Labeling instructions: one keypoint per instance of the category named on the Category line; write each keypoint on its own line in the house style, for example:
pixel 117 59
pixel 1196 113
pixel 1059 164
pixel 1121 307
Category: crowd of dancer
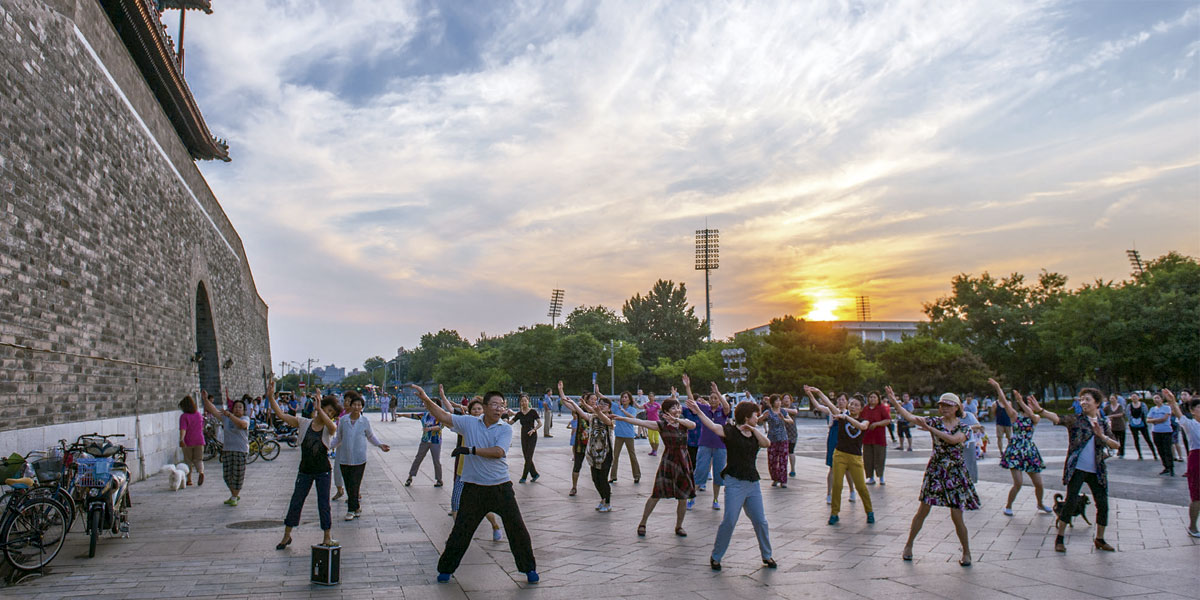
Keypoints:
pixel 706 439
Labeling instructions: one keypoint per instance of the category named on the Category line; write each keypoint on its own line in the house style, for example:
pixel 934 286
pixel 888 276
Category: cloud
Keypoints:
pixel 441 166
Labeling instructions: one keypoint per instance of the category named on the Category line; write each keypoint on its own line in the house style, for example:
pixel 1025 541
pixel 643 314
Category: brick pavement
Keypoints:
pixel 181 545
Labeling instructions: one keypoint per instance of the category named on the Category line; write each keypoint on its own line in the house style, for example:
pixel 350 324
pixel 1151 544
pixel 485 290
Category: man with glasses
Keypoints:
pixel 486 484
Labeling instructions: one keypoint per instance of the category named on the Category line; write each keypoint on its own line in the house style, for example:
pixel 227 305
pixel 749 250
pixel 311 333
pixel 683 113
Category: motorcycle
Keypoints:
pixel 103 479
pixel 287 435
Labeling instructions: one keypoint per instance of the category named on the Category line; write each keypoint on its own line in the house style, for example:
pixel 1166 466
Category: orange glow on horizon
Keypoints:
pixel 823 310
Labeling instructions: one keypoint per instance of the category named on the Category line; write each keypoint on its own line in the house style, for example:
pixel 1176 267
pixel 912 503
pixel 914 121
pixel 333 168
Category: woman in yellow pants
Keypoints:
pixel 847 458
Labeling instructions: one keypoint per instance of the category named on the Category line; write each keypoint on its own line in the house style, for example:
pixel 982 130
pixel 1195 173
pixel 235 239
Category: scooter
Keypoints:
pixel 103 478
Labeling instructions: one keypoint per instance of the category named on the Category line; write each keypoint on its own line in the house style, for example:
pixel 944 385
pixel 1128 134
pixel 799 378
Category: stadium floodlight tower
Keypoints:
pixel 1135 261
pixel 556 304
pixel 707 259
pixel 862 305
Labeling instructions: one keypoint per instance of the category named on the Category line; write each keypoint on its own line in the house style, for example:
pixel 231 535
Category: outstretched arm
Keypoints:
pixel 443 416
pixel 575 408
pixel 637 422
pixel 1170 396
pixel 704 420
pixel 724 403
pixel 817 405
pixel 1003 399
pixel 908 416
pixel 1045 414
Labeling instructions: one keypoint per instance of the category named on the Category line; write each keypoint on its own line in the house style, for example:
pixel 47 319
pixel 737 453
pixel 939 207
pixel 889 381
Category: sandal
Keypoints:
pixel 680 532
pixel 284 544
pixel 641 531
pixel 408 482
pixel 572 492
pixel 907 554
pixel 770 563
pixel 964 562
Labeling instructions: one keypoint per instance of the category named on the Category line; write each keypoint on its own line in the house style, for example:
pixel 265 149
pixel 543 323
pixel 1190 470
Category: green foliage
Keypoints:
pixel 471 371
pixel 662 323
pixel 357 381
pixel 291 383
pixel 926 366
pixel 426 356
pixel 703 367
pixel 601 322
pixel 579 356
pixel 798 353
pixel 530 356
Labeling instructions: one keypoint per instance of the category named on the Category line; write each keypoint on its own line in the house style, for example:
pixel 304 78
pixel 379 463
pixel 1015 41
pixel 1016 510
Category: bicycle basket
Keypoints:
pixel 48 469
pixel 92 472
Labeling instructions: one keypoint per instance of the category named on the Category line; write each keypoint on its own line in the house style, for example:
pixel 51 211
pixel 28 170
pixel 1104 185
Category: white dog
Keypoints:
pixel 176 474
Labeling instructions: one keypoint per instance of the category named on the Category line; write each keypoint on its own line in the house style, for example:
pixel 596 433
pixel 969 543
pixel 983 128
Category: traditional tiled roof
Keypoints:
pixel 140 28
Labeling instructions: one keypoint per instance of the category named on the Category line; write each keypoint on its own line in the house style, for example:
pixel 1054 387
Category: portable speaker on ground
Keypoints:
pixel 326 564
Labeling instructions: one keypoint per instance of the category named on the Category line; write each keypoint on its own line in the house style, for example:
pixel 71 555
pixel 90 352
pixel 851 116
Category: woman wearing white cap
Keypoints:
pixel 947 482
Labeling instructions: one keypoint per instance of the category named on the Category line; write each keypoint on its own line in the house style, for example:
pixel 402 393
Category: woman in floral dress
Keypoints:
pixel 1021 456
pixel 947 482
pixel 674 476
pixel 777 454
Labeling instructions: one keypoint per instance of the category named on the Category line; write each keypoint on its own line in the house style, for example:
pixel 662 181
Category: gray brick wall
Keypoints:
pixel 102 247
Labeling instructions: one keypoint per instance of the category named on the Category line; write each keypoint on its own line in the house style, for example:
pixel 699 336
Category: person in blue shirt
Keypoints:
pixel 486 485
pixel 625 434
pixel 1159 419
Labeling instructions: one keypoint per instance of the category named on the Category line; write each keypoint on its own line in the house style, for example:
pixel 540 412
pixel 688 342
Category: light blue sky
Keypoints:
pixel 401 167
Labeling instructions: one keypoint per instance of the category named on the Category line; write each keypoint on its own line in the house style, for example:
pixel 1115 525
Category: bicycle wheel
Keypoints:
pixel 94 529
pixel 210 451
pixel 252 455
pixel 59 495
pixel 269 450
pixel 34 534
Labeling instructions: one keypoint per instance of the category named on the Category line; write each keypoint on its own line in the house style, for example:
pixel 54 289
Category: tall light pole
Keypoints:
pixel 735 365
pixel 862 306
pixel 707 255
pixel 556 303
pixel 1135 261
pixel 612 365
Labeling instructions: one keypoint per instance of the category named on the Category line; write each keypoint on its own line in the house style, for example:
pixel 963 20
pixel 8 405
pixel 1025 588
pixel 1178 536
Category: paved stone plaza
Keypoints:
pixel 182 545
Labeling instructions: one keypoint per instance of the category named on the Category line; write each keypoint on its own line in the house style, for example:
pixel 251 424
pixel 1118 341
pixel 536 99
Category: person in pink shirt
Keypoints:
pixel 652 407
pixel 191 438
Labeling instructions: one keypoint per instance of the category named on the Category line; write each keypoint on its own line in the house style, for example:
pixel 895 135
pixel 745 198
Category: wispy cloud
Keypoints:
pixel 430 165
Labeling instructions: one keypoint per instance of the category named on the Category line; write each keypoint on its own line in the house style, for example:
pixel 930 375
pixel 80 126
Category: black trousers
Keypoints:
pixel 528 445
pixel 1099 495
pixel 600 479
pixel 1162 441
pixel 1120 435
pixel 352 476
pixel 1145 432
pixel 477 501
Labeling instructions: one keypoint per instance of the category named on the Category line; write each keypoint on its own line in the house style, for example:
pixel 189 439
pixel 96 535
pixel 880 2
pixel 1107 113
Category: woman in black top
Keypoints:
pixel 530 424
pixel 1138 426
pixel 314 463
pixel 742 443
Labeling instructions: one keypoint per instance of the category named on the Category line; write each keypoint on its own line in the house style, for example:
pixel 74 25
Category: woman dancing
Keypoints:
pixel 530 423
pixel 1021 455
pixel 625 434
pixel 777 434
pixel 599 445
pixel 314 468
pixel 674 476
pixel 831 439
pixel 1191 428
pixel 793 435
pixel 1138 426
pixel 1089 435
pixel 712 455
pixel 847 457
pixel 946 480
pixel 742 442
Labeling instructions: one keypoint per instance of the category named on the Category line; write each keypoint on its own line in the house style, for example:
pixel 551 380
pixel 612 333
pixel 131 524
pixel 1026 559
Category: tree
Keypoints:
pixel 356 381
pixel 376 368
pixel 530 356
pixel 703 367
pixel 579 356
pixel 425 357
pixel 627 365
pixel 798 353
pixel 401 365
pixel 662 323
pixel 926 366
pixel 599 321
pixel 471 371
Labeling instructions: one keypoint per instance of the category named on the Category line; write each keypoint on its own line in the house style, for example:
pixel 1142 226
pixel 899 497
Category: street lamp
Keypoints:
pixel 612 365
pixel 735 366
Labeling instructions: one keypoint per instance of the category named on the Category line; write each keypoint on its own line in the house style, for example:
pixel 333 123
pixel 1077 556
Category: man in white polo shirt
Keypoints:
pixel 486 484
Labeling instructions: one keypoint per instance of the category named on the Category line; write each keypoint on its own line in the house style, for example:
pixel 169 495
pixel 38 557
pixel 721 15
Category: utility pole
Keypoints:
pixel 612 366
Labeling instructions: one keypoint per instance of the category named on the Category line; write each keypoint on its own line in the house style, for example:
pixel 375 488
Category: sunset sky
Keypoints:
pixel 401 167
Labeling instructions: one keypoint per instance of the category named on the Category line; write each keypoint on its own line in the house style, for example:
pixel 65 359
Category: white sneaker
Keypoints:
pixel 1008 512
pixel 1195 534
pixel 853 497
pixel 870 481
pixel 828 499
pixel 349 516
pixel 357 514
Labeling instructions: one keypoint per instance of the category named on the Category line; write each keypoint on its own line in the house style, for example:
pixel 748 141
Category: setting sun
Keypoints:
pixel 823 311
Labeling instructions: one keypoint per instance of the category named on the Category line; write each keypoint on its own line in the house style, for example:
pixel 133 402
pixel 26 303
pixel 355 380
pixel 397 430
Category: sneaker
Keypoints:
pixel 349 516
pixel 1193 533
pixel 870 518
pixel 496 535
pixel 791 473
pixel 833 519
pixel 534 478
pixel 716 505
pixel 870 481
pixel 701 489
pixel 910 449
pixel 235 501
pixel 1008 512
pixel 690 504
pixel 599 506
pixel 1046 509
pixel 881 482
pixel 443 578
pixel 653 453
pixel 357 514
pixel 853 498
pixel 605 509
pixel 230 501
pixel 521 480
pixel 828 499
pixel 532 577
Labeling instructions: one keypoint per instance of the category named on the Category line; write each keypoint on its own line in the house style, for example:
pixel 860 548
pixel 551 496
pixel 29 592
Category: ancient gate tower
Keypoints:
pixel 123 286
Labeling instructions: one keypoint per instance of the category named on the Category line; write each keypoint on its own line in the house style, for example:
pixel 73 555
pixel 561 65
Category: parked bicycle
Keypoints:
pixel 32 528
pixel 102 474
pixel 212 441
pixel 261 445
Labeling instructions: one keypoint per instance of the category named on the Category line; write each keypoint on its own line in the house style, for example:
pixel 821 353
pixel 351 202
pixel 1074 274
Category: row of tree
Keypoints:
pixel 1129 335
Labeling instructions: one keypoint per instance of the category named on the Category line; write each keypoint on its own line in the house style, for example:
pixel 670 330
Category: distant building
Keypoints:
pixel 877 331
pixel 330 373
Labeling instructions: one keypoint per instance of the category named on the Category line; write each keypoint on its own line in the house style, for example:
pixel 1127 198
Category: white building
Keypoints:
pixel 878 331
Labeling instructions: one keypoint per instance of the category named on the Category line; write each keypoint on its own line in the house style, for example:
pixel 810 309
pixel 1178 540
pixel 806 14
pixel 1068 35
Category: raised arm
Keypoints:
pixel 1043 413
pixel 575 408
pixel 1170 396
pixel 817 405
pixel 443 416
pixel 320 416
pixel 704 420
pixel 911 418
pixel 291 420
pixel 687 386
pixel 724 403
pixel 1003 399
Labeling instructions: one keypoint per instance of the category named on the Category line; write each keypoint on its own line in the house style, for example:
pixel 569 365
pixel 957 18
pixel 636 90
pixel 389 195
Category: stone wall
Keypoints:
pixel 107 232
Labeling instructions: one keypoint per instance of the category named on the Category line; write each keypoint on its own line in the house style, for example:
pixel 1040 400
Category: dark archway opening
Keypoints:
pixel 206 346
